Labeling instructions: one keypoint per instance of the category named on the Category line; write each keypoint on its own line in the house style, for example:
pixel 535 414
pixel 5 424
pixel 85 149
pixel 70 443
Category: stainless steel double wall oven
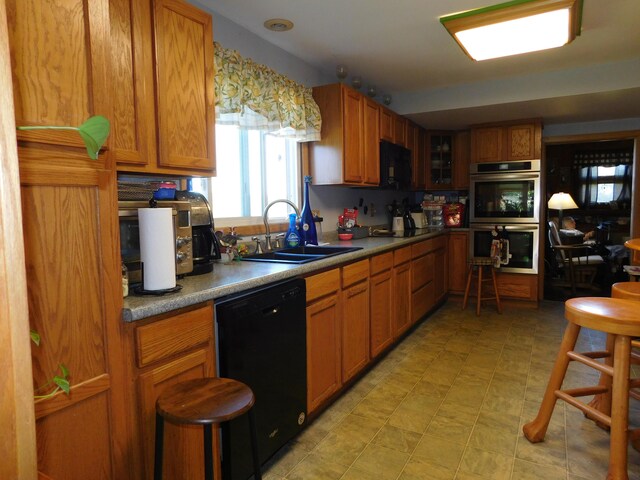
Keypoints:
pixel 506 195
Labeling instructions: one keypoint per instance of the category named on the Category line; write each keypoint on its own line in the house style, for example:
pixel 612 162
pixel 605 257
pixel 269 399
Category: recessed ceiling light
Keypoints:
pixel 278 24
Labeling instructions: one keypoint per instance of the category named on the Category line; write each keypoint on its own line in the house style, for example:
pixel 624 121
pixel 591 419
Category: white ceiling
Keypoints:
pixel 401 48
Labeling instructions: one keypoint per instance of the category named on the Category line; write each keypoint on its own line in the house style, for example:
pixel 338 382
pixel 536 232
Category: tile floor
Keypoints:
pixel 449 402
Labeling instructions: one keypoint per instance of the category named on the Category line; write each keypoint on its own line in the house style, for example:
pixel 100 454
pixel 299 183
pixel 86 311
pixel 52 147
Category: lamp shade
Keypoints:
pixel 561 201
pixel 514 27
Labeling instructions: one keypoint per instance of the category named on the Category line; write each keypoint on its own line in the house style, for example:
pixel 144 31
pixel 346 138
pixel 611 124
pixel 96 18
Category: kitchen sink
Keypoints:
pixel 298 255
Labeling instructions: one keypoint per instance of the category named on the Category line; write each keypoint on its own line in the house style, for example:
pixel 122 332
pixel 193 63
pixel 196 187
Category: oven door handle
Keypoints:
pixel 520 228
pixel 509 227
pixel 505 176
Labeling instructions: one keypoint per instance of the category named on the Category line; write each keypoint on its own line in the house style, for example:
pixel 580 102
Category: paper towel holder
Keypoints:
pixel 139 290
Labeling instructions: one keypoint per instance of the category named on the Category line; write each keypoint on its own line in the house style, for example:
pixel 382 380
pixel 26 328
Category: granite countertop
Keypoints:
pixel 236 276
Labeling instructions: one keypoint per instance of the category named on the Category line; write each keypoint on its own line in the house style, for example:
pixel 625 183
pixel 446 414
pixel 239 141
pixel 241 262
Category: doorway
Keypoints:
pixel 598 174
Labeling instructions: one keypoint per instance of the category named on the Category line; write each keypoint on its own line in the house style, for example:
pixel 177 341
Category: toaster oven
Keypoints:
pixel 130 236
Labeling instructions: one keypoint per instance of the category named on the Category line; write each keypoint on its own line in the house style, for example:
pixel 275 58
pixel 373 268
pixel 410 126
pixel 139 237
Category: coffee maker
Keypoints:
pixel 205 245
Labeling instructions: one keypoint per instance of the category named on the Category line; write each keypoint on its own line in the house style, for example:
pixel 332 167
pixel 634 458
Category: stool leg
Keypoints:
pixel 602 401
pixel 257 475
pixel 208 452
pixel 535 430
pixel 159 447
pixel 495 289
pixel 479 304
pixel 619 410
pixel 466 290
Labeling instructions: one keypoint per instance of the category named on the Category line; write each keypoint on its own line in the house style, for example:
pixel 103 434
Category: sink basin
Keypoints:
pixel 298 255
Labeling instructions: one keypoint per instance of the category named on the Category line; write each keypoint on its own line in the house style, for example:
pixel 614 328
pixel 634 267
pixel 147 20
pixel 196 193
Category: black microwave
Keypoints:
pixel 395 166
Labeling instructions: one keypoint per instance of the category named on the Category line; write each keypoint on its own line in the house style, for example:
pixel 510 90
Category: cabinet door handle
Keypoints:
pixel 357 289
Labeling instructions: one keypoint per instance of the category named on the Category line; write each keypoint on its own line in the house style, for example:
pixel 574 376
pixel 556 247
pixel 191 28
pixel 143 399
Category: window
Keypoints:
pixel 253 169
pixel 604 184
pixel 604 175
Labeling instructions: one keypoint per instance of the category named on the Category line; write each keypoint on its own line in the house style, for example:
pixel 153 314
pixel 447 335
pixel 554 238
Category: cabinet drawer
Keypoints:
pixel 515 285
pixel 421 271
pixel 401 255
pixel 419 249
pixel 421 302
pixel 175 334
pixel 355 272
pixel 437 243
pixel 323 284
pixel 382 262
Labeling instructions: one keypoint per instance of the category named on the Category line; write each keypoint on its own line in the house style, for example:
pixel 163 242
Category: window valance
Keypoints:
pixel 255 96
pixel 605 158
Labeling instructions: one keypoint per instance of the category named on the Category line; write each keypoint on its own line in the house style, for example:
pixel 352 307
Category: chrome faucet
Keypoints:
pixel 265 219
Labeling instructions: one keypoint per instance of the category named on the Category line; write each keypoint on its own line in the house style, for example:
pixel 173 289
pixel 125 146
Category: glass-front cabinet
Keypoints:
pixel 440 166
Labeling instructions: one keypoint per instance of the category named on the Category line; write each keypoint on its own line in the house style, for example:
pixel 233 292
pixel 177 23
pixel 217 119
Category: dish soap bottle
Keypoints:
pixel 292 239
pixel 309 235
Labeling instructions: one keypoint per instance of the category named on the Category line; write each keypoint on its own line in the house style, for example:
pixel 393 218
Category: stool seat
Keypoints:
pixel 609 315
pixel 205 400
pixel 481 261
pixel 629 290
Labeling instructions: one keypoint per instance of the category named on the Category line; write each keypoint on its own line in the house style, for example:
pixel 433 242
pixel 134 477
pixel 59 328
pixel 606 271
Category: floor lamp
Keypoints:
pixel 561 201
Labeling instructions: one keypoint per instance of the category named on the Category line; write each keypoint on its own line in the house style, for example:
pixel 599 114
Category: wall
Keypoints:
pixel 231 35
pixel 585 128
pixel 328 199
pixel 331 200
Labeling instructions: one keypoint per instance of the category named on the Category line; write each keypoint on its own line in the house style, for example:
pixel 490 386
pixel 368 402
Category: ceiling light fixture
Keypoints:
pixel 278 25
pixel 515 27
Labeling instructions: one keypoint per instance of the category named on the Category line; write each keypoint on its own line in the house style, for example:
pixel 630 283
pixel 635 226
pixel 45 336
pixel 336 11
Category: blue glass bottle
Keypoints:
pixel 308 232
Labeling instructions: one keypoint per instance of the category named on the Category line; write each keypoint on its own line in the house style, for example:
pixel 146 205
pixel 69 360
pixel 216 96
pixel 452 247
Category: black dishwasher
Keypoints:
pixel 261 337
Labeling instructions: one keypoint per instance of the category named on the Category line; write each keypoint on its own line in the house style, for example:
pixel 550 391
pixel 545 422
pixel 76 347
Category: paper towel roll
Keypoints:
pixel 157 248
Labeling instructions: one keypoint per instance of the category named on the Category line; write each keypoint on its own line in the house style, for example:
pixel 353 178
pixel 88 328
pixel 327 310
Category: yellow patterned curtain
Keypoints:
pixel 254 96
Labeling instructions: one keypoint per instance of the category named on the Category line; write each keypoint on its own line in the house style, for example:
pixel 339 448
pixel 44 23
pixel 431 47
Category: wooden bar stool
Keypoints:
pixel 629 290
pixel 478 264
pixel 205 401
pixel 620 320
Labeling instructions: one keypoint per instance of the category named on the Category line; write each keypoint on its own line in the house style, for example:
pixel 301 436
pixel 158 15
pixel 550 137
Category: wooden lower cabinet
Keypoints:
pixel 457 256
pixel 428 275
pixel 381 304
pixel 355 318
pixel 356 312
pixel 323 338
pixel 165 350
pixel 323 350
pixel 440 271
pixel 517 286
pixel 401 312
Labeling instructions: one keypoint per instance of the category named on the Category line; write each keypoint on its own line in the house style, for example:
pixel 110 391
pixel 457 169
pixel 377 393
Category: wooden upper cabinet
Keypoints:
pixel 524 142
pixel 461 159
pixel 352 124
pixel 349 151
pixel 134 117
pixel 520 140
pixel 415 140
pixel 178 104
pixel 58 65
pixel 371 142
pixel 386 124
pixel 486 144
pixel 184 72
pixel 399 130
